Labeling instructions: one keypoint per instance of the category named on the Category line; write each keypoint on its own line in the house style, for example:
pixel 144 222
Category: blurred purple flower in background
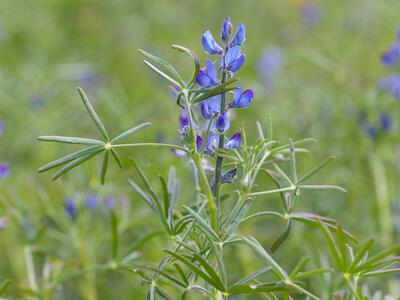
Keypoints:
pixel 392 55
pixel 270 63
pixel 92 201
pixel 1 127
pixel 70 208
pixel 3 223
pixel 385 121
pixel 4 169
pixel 391 84
pixel 310 13
pixel 184 118
pixel 110 202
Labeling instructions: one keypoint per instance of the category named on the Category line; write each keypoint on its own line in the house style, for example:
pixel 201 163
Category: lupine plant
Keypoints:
pixel 231 172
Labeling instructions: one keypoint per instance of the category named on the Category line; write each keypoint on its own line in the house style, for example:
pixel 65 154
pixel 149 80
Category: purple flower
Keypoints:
pixel 70 208
pixel 212 142
pixel 223 122
pixel 370 130
pixel 270 63
pixel 210 45
pixel 4 169
pixel 1 127
pixel 234 141
pixel 199 143
pixel 392 56
pixel 179 153
pixel 210 106
pixel 228 176
pixel 208 76
pixel 310 12
pixel 184 118
pixel 110 202
pixel 226 30
pixel 240 36
pixel 242 100
pixel 92 201
pixel 234 59
pixel 391 84
pixel 385 121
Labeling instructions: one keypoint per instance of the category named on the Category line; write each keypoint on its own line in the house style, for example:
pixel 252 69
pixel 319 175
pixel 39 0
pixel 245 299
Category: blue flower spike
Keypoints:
pixel 234 141
pixel 210 45
pixel 223 122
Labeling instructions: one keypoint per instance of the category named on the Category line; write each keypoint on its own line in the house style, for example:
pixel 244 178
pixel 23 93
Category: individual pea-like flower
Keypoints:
pixel 226 30
pixel 391 84
pixel 385 121
pixel 223 122
pixel 184 118
pixel 234 59
pixel 212 142
pixel 228 176
pixel 234 141
pixel 70 208
pixel 92 201
pixel 4 169
pixel 208 76
pixel 199 143
pixel 110 202
pixel 210 106
pixel 392 55
pixel 240 36
pixel 210 45
pixel 241 99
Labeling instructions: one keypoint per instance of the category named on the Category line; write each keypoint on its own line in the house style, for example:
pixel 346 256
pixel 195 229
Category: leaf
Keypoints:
pixel 210 271
pixel 316 169
pixel 116 157
pixel 172 72
pixel 93 114
pixel 208 93
pixel 165 197
pixel 257 288
pixel 181 273
pixel 252 276
pixel 381 272
pixel 332 245
pixel 256 246
pixel 76 163
pixel 4 285
pixel 146 197
pixel 104 166
pixel 195 61
pixel 203 224
pixel 166 275
pixel 70 140
pixel 195 269
pixel 300 266
pixel 322 187
pixel 292 161
pixel 360 253
pixel 129 132
pixel 239 217
pixel 377 257
pixel 68 158
pixel 282 237
pixel 302 275
pixel 114 234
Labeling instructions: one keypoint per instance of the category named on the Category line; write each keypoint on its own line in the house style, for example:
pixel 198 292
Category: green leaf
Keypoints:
pixel 210 271
pixel 302 275
pixel 377 257
pixel 332 245
pixel 257 288
pixel 166 275
pixel 256 246
pixel 292 161
pixel 322 187
pixel 116 157
pixel 104 166
pixel 114 234
pixel 173 74
pixel 316 169
pixel 68 158
pixel 203 224
pixel 165 197
pixel 149 200
pixel 75 163
pixel 300 266
pixel 129 132
pixel 208 93
pixel 4 285
pixel 381 272
pixel 360 253
pixel 252 276
pixel 195 269
pixel 239 216
pixel 282 237
pixel 195 61
pixel 181 273
pixel 70 140
pixel 93 114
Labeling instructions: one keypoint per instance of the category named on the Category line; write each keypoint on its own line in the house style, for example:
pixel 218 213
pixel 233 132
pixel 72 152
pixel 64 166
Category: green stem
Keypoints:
pixel 30 268
pixel 219 161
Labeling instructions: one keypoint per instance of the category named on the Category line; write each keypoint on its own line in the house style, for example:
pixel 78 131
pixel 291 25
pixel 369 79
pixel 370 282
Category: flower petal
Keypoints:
pixel 199 143
pixel 228 176
pixel 240 36
pixel 244 100
pixel 237 63
pixel 232 54
pixel 234 141
pixel 203 79
pixel 226 30
pixel 223 122
pixel 211 71
pixel 209 44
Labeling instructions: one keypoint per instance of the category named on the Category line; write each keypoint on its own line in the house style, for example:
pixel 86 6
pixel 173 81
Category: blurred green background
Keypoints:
pixel 318 78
